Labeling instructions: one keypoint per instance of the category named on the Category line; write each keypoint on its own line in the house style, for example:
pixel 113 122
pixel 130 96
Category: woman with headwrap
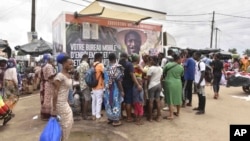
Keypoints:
pixel 63 83
pixel 10 79
pixel 47 75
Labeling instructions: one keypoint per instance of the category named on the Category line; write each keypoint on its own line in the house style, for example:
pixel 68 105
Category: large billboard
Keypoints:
pixel 89 35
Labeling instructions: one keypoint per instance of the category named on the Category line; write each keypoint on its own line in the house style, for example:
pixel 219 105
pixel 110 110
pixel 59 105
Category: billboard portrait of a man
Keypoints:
pixel 132 40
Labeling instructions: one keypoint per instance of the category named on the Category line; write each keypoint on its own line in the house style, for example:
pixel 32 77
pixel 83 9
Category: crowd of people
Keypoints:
pixel 128 88
pixel 128 85
pixel 8 89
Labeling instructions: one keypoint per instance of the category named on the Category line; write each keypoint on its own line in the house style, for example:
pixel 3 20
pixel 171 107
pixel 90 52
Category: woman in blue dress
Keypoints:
pixel 114 93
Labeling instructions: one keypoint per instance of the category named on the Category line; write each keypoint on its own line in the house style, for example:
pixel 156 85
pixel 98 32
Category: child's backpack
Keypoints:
pixel 90 77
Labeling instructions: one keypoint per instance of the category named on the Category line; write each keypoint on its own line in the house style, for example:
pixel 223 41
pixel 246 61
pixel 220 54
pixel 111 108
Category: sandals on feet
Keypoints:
pixel 130 120
pixel 139 123
pixel 216 96
pixel 149 119
pixel 176 114
pixel 86 118
pixel 115 124
pixel 158 119
pixel 168 118
pixel 110 121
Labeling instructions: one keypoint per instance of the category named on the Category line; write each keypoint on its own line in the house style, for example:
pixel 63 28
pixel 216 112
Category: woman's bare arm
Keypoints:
pixel 55 95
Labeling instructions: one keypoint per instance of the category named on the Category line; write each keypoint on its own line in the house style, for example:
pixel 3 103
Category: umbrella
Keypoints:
pixel 3 58
pixel 36 47
pixel 3 43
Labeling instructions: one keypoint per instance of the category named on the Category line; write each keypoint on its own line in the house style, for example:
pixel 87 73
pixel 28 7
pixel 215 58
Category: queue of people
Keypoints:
pixel 128 85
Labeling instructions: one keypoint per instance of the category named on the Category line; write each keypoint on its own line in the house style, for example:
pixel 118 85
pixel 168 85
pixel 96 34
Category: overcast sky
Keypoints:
pixel 189 31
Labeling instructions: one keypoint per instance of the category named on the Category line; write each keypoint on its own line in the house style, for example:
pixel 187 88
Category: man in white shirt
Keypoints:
pixel 200 83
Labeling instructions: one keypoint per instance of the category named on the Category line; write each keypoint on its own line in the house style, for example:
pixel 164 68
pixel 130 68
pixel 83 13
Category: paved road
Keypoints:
pixel 230 108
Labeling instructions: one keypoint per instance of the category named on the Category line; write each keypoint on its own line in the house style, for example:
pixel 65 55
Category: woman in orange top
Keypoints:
pixel 97 96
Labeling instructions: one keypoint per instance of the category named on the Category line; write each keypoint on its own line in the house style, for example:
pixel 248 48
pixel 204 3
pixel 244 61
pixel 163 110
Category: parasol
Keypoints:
pixel 3 58
pixel 36 47
pixel 3 43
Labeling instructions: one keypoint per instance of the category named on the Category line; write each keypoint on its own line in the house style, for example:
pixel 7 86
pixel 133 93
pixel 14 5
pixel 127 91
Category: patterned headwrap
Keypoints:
pixel 11 63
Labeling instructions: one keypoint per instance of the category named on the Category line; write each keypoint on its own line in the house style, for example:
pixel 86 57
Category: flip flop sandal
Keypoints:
pixel 130 120
pixel 115 124
pixel 110 122
pixel 158 119
pixel 139 123
pixel 77 118
pixel 168 118
pixel 216 96
pixel 176 114
pixel 123 117
pixel 86 118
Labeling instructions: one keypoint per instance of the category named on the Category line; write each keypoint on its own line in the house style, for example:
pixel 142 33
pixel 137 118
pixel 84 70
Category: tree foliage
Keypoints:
pixel 247 52
pixel 233 51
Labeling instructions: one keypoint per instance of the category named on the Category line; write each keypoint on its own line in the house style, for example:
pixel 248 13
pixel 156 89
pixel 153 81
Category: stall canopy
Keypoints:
pixel 3 43
pixel 107 9
pixel 35 48
pixel 4 46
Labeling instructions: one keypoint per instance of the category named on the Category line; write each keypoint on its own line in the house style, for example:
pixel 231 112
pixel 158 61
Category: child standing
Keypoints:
pixel 137 95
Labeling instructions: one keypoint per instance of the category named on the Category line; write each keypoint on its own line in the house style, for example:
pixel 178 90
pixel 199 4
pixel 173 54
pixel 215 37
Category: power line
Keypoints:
pixel 74 3
pixel 44 15
pixel 186 21
pixel 191 15
pixel 87 1
pixel 11 9
pixel 227 34
pixel 233 16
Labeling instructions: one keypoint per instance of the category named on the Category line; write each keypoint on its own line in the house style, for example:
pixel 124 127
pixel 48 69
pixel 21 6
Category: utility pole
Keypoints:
pixel 33 16
pixel 33 34
pixel 216 30
pixel 212 31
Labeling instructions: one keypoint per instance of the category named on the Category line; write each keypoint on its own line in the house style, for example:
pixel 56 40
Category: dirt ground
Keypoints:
pixel 231 108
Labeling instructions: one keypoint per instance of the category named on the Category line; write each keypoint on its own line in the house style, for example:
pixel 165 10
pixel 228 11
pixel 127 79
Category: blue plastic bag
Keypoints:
pixel 52 131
